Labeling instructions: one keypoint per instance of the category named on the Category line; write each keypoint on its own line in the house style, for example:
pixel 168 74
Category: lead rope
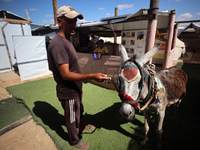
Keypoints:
pixel 151 70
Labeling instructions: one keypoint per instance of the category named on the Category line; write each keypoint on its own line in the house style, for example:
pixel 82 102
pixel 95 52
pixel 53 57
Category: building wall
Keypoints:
pixel 191 40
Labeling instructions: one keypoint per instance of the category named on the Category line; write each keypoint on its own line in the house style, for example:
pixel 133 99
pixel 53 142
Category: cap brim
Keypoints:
pixel 73 15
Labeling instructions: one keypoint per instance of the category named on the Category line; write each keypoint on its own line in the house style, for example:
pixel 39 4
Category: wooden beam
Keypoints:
pixel 189 21
pixel 4 14
pixel 6 44
pixel 16 21
pixel 143 17
pixel 27 14
pixel 55 11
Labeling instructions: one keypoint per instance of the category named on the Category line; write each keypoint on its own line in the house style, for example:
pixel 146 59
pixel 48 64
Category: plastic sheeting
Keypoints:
pixel 10 30
pixel 31 56
pixel 180 49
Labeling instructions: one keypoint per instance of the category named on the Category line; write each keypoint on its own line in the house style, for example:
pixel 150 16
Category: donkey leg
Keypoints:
pixel 146 126
pixel 161 116
pixel 176 105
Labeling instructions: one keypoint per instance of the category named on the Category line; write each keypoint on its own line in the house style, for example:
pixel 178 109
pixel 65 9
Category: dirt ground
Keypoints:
pixel 31 136
pixel 28 135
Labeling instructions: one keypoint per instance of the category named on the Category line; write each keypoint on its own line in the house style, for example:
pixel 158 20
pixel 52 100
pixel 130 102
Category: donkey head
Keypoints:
pixel 130 80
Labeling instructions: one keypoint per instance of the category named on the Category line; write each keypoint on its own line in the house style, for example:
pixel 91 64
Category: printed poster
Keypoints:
pixel 161 37
pixel 134 42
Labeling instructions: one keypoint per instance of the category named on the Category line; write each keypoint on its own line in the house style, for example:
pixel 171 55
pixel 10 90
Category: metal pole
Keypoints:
pixel 168 56
pixel 55 11
pixel 152 25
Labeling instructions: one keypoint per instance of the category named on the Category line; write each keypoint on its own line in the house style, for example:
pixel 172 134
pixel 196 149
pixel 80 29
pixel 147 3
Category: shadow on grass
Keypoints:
pixel 50 117
pixel 110 119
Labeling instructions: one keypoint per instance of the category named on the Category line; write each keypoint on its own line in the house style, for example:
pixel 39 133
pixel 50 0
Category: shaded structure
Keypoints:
pixel 190 35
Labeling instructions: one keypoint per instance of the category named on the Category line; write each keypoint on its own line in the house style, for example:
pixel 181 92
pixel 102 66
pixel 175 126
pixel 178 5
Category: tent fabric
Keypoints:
pixel 31 56
pixel 195 26
pixel 179 50
pixel 10 30
pixel 4 61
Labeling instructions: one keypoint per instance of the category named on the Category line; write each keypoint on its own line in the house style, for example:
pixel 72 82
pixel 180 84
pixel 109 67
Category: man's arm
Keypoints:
pixel 72 76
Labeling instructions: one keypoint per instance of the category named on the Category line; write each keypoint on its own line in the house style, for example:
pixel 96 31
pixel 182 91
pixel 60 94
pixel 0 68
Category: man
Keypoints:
pixel 67 74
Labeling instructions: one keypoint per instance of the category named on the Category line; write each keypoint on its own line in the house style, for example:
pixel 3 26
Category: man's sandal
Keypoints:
pixel 89 129
pixel 82 145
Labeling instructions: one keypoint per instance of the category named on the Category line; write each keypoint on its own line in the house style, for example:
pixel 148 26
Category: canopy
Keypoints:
pixel 106 26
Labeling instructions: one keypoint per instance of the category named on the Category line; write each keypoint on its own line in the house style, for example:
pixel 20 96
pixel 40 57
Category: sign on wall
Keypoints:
pixel 134 42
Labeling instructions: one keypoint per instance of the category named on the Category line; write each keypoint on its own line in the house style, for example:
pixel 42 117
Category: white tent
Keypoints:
pixel 7 45
pixel 180 49
pixel 18 47
pixel 31 56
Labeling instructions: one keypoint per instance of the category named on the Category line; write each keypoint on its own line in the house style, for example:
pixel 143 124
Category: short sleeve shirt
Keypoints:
pixel 61 51
pixel 101 50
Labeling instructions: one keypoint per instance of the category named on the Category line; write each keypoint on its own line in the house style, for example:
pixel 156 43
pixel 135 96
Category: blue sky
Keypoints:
pixel 41 11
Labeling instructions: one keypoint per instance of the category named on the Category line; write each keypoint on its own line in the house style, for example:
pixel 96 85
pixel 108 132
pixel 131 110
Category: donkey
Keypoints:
pixel 140 84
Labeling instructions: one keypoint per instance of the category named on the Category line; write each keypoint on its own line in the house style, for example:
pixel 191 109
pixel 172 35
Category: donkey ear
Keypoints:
pixel 123 53
pixel 146 57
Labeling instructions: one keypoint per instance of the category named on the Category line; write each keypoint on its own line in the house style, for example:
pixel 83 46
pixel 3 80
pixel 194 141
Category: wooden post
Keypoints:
pixel 116 11
pixel 27 14
pixel 168 56
pixel 55 11
pixel 152 25
pixel 6 44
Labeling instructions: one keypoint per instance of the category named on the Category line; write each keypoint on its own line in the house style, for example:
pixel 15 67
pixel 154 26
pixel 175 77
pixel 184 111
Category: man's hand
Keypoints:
pixel 100 77
pixel 71 76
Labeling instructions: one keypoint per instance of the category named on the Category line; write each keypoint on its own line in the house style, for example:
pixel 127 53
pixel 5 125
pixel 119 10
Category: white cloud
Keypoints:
pixel 198 14
pixel 48 21
pixel 124 6
pixel 48 15
pixel 101 8
pixel 51 21
pixel 131 9
pixel 179 0
pixel 45 21
pixel 33 9
pixel 81 21
pixel 185 16
pixel 108 14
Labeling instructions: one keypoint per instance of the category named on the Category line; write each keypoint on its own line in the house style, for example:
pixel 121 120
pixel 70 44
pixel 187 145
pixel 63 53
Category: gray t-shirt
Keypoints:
pixel 61 51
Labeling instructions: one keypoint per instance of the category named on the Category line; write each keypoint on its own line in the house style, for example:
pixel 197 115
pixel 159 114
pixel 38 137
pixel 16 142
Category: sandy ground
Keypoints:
pixel 27 136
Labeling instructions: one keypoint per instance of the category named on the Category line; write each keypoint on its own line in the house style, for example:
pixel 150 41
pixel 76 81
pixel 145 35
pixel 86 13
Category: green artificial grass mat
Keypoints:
pixel 101 108
pixel 11 110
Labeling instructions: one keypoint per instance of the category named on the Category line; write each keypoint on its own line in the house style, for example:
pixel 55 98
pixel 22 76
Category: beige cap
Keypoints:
pixel 68 12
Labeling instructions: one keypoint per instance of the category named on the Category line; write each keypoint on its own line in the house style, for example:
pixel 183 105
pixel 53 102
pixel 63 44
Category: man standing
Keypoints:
pixel 67 74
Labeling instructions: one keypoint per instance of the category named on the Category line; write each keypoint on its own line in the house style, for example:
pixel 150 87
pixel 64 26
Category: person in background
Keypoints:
pixel 93 43
pixel 67 74
pixel 101 50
